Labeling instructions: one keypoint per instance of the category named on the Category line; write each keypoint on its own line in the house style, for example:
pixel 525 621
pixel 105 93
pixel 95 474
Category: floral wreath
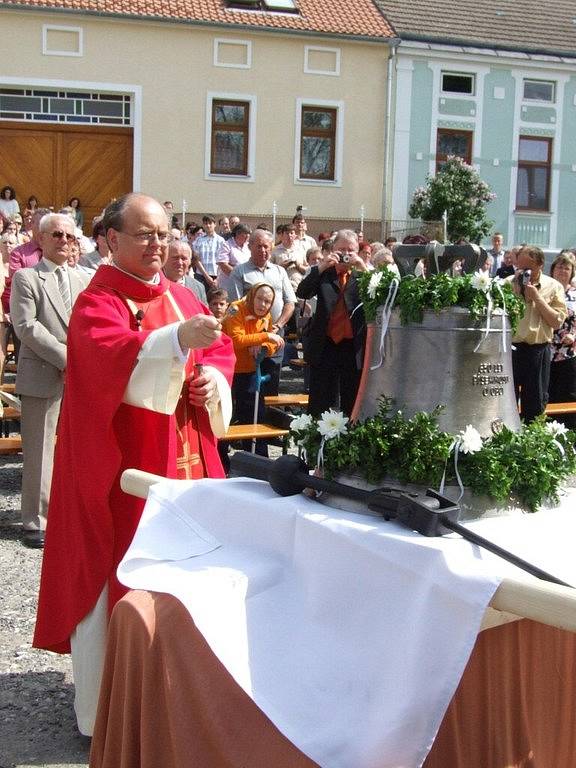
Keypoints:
pixel 527 467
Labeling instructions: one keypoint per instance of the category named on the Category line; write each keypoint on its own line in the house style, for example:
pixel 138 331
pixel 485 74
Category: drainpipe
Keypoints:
pixel 388 134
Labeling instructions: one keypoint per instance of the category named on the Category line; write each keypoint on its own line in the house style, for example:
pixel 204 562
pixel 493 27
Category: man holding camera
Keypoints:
pixel 334 346
pixel 544 313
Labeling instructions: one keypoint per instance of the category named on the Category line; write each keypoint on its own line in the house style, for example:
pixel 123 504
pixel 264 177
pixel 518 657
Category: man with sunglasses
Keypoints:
pixel 40 304
pixel 147 386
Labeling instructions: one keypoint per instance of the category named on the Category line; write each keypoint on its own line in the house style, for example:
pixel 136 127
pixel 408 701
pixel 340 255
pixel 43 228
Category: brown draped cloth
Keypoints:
pixel 167 702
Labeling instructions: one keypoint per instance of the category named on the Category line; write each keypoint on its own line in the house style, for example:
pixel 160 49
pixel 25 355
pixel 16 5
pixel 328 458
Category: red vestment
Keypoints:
pixel 91 521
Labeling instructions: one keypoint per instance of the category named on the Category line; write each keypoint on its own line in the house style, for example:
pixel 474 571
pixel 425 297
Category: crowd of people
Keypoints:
pixel 181 319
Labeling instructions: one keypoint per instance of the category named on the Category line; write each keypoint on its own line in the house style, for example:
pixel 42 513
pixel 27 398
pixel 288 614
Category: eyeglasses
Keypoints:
pixel 145 238
pixel 58 235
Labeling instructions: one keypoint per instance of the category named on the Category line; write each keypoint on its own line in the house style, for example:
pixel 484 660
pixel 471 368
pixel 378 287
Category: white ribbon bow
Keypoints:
pixel 386 312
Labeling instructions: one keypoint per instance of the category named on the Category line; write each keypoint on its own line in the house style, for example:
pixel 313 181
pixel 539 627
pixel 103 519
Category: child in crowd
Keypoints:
pixel 248 322
pixel 218 303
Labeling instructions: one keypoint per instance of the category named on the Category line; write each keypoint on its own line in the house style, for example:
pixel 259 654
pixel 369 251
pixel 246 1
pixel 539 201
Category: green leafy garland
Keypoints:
pixel 527 467
pixel 437 292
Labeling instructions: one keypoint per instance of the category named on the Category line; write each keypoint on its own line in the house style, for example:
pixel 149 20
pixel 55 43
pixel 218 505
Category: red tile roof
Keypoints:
pixel 339 17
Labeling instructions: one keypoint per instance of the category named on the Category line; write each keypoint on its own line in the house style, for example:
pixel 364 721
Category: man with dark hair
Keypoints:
pixel 205 249
pixel 147 386
pixel 497 252
pixel 544 313
pixel 232 252
pixel 303 240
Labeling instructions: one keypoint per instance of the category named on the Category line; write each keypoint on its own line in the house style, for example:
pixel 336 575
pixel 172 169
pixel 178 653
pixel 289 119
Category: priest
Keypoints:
pixel 147 386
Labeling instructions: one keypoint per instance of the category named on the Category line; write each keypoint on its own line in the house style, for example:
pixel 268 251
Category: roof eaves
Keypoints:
pixel 464 43
pixel 391 41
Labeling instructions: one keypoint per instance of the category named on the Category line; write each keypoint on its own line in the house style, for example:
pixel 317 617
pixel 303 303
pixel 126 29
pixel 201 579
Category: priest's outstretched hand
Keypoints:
pixel 200 331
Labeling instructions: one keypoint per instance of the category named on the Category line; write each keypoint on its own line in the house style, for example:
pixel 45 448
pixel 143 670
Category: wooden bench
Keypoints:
pixel 10 414
pixel 256 432
pixel 282 401
pixel 553 409
pixel 10 445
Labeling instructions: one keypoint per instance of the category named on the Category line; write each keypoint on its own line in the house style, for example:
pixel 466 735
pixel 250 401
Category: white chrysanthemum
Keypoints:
pixel 470 440
pixel 556 428
pixel 481 281
pixel 373 284
pixel 301 423
pixel 332 423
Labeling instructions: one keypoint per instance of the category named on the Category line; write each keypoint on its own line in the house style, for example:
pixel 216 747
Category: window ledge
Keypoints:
pixel 530 212
pixel 319 182
pixel 228 177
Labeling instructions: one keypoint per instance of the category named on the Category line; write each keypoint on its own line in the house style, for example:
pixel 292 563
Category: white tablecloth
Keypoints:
pixel 349 632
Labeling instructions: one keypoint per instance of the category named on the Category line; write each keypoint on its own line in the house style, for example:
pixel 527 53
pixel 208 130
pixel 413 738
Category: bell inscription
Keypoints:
pixel 492 379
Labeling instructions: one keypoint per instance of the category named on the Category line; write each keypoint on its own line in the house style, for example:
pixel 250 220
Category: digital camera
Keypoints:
pixel 343 258
pixel 524 279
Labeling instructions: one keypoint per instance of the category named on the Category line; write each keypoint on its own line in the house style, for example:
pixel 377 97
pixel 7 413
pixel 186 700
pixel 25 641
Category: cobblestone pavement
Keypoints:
pixel 37 724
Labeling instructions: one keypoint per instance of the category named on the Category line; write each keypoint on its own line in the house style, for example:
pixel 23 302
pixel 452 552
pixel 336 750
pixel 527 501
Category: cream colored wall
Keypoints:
pixel 174 66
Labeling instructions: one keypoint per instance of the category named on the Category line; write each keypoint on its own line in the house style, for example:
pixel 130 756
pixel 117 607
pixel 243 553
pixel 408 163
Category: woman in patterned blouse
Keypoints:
pixel 562 387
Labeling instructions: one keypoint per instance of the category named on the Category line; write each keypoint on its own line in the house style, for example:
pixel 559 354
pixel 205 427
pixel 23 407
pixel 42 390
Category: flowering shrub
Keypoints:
pixel 526 467
pixel 457 189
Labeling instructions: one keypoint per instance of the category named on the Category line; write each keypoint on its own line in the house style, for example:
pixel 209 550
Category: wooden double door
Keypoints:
pixel 57 162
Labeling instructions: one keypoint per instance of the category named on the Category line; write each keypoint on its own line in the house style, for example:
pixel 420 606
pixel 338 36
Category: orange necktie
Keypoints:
pixel 339 325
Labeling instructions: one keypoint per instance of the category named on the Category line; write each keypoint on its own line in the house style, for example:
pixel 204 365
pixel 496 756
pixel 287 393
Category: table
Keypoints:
pixel 361 546
pixel 167 702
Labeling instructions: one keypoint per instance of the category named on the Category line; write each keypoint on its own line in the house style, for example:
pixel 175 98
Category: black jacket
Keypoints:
pixel 326 288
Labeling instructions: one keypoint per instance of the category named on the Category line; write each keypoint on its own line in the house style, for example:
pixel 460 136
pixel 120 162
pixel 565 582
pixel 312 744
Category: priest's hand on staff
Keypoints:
pixel 201 387
pixel 200 331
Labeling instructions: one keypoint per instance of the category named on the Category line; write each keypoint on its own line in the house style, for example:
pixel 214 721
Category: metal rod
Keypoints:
pixel 475 538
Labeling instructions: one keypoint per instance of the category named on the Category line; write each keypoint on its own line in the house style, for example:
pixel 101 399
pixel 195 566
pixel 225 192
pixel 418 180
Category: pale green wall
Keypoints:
pixel 497 130
pixel 497 144
pixel 420 126
pixel 567 193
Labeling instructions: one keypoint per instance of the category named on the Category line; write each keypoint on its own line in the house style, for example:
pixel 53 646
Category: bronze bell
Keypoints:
pixel 450 359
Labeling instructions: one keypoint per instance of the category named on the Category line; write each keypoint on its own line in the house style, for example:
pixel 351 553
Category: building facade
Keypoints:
pixel 220 113
pixel 498 100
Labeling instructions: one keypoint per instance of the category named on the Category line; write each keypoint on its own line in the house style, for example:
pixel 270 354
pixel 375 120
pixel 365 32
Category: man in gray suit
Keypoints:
pixel 177 266
pixel 40 304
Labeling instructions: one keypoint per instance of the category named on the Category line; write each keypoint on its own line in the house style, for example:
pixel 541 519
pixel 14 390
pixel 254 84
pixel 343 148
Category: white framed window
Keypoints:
pixel 458 83
pixel 230 137
pixel 320 60
pixel 62 41
pixel 319 142
pixel 232 53
pixel 539 90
